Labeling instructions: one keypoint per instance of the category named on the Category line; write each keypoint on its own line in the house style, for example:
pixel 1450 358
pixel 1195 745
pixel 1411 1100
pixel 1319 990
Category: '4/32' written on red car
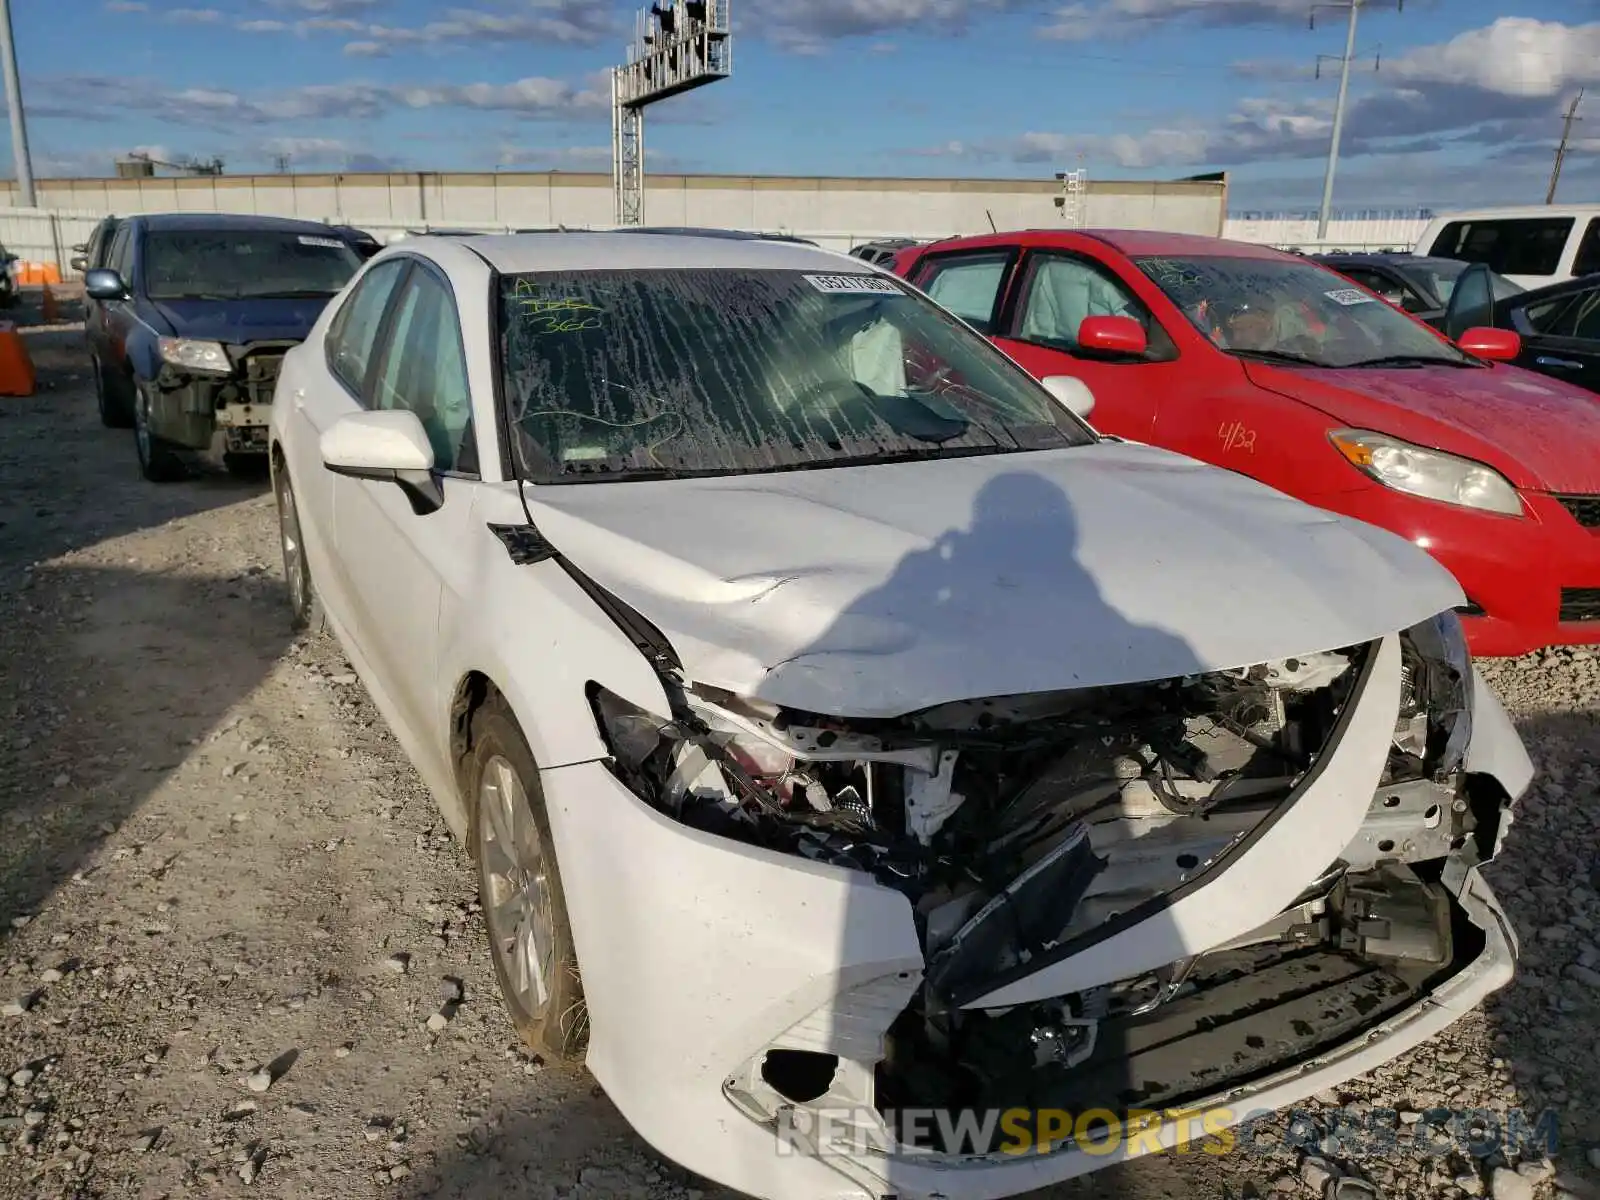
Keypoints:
pixel 1235 436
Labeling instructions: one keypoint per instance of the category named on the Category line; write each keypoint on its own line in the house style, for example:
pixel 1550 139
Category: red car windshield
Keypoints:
pixel 1293 312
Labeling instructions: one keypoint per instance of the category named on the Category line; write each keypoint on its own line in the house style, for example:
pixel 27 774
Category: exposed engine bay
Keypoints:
pixel 190 407
pixel 1018 826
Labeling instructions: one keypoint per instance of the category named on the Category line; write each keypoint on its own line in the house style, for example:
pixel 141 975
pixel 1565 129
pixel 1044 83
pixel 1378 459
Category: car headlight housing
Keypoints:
pixel 1431 474
pixel 1436 694
pixel 193 355
pixel 631 734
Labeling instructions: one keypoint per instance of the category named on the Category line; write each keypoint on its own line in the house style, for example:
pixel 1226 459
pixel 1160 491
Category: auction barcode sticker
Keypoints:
pixel 854 284
pixel 330 243
pixel 1348 296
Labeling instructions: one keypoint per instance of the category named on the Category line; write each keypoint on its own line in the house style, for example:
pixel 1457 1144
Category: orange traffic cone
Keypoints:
pixel 16 367
pixel 49 312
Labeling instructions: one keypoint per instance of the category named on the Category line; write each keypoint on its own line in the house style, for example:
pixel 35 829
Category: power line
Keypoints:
pixel 1561 150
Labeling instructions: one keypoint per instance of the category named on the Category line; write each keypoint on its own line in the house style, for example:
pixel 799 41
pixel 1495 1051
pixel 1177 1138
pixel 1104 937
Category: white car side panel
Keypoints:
pixel 538 637
pixel 1258 882
pixel 296 435
pixel 727 946
pixel 398 563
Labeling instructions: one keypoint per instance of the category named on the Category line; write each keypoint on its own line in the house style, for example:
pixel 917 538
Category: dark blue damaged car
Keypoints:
pixel 188 320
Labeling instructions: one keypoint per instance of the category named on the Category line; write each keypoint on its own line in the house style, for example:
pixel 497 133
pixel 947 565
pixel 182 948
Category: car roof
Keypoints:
pixel 1132 242
pixel 518 253
pixel 240 221
pixel 1513 212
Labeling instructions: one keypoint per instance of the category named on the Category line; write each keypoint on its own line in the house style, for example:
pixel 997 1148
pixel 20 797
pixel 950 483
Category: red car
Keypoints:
pixel 1276 367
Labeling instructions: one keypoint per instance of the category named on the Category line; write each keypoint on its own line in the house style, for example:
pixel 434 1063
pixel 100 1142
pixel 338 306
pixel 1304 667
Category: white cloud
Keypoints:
pixel 1086 20
pixel 1496 91
pixel 126 6
pixel 1153 148
pixel 1515 56
pixel 365 50
pixel 809 26
pixel 329 25
pixel 304 147
pixel 267 26
pixel 193 16
pixel 323 6
pixel 535 97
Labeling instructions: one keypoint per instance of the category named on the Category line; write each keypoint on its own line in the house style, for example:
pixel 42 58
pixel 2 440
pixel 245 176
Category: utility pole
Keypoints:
pixel 19 127
pixel 1353 7
pixel 1561 150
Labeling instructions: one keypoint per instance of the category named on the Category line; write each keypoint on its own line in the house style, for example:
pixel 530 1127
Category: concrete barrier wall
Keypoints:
pixel 835 212
pixel 831 210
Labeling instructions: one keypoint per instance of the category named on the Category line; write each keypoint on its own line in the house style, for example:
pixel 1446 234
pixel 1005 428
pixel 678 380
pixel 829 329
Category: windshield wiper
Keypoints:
pixel 1412 360
pixel 913 454
pixel 1280 357
pixel 302 294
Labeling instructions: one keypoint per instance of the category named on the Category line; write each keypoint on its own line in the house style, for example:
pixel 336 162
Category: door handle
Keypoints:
pixel 1561 364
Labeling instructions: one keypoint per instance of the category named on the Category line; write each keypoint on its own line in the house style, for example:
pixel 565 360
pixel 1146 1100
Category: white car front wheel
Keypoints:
pixel 519 887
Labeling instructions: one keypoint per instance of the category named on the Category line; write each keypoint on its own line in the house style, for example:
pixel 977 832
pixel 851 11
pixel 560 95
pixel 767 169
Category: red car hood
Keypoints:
pixel 1542 434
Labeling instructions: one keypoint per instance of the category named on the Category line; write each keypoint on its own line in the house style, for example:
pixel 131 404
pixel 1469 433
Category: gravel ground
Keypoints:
pixel 228 909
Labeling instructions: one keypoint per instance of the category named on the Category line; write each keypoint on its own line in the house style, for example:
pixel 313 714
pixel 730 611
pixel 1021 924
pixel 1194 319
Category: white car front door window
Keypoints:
pixel 325 387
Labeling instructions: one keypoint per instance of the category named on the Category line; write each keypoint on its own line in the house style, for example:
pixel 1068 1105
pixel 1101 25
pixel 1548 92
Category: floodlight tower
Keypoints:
pixel 677 45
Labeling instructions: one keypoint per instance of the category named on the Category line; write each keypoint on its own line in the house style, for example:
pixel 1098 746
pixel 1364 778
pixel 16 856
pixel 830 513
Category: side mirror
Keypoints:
pixel 104 284
pixel 1071 392
pixel 78 263
pixel 390 447
pixel 1496 345
pixel 1120 336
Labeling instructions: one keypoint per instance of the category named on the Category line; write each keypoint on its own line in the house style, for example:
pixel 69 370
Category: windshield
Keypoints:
pixel 627 374
pixel 240 264
pixel 1292 311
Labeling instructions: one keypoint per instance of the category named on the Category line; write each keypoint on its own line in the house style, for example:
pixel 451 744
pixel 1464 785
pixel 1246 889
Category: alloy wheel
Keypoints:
pixel 517 905
pixel 294 568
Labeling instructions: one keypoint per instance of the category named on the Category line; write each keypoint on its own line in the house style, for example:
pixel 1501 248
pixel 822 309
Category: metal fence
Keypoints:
pixel 45 236
pixel 1357 233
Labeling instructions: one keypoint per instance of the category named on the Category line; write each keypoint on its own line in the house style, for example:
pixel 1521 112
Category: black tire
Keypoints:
pixel 251 467
pixel 110 398
pixel 159 461
pixel 559 1027
pixel 305 610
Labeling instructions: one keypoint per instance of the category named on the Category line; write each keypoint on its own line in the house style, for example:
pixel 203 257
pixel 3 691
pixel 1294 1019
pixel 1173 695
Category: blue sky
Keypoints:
pixel 1466 106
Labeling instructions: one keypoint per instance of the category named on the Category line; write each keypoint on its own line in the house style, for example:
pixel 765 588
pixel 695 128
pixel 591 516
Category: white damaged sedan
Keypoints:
pixel 872 773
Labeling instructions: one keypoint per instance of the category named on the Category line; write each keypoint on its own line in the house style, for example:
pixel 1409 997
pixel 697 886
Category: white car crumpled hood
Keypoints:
pixel 880 590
